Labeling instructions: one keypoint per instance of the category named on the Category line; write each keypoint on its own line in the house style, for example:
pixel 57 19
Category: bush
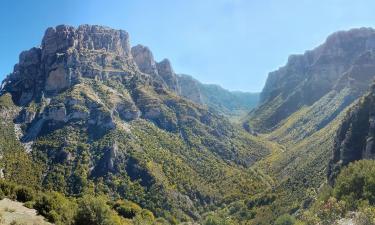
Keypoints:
pixel 7 188
pixel 95 211
pixel 56 208
pixel 127 209
pixel 215 220
pixel 2 195
pixel 356 183
pixel 24 194
pixel 29 204
pixel 285 219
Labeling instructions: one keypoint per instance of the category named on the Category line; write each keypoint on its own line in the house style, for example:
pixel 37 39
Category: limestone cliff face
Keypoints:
pixel 307 78
pixel 66 55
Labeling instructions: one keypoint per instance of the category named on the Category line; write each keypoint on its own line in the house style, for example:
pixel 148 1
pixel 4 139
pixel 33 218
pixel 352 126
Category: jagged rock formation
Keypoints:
pixel 102 116
pixel 355 137
pixel 161 71
pixel 343 61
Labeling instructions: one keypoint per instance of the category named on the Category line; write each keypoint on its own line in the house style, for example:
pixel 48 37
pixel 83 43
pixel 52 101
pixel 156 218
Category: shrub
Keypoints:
pixel 24 194
pixel 95 211
pixel 56 208
pixel 29 204
pixel 7 188
pixel 2 195
pixel 285 219
pixel 331 210
pixel 356 183
pixel 127 209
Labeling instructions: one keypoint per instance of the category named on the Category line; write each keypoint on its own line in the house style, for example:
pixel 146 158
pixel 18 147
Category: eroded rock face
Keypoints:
pixel 144 59
pixel 161 71
pixel 101 121
pixel 166 72
pixel 107 163
pixel 57 80
pixel 85 37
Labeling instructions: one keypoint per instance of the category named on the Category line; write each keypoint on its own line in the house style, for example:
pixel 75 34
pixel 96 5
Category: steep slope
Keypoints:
pixel 355 137
pixel 89 120
pixel 344 61
pixel 233 104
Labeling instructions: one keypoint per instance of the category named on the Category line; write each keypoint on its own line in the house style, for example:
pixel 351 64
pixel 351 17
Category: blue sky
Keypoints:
pixel 234 43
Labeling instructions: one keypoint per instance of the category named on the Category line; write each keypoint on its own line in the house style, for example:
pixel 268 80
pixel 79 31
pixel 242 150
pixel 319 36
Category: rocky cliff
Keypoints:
pixel 355 137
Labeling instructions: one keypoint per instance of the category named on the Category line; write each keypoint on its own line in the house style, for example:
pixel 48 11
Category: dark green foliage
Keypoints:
pixel 257 201
pixel 127 209
pixel 24 194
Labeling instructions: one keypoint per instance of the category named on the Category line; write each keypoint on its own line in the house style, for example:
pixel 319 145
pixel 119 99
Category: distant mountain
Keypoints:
pixel 228 103
pixel 86 113
pixel 328 78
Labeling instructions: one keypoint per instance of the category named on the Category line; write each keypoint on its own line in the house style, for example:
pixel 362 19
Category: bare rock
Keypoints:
pixel 144 59
pixel 166 72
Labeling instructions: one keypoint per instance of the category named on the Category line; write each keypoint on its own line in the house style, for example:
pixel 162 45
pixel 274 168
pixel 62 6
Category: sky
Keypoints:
pixel 233 43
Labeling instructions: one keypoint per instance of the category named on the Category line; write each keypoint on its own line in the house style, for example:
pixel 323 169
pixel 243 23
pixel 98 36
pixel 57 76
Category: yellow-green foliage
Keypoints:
pixel 17 164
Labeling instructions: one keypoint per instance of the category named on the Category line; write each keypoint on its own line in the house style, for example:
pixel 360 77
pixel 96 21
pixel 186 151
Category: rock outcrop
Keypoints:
pixel 66 55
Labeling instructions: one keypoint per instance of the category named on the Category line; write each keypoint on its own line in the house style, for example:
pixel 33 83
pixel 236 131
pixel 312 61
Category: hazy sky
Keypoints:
pixel 234 43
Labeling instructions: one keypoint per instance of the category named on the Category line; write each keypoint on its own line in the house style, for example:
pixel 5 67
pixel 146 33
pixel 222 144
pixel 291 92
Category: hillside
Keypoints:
pixel 234 104
pixel 89 116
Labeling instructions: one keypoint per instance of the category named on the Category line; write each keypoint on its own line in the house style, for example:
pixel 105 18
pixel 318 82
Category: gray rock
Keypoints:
pixel 166 72
pixel 144 59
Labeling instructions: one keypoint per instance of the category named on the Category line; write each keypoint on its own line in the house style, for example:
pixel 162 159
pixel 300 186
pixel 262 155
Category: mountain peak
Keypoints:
pixel 90 37
pixel 144 59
